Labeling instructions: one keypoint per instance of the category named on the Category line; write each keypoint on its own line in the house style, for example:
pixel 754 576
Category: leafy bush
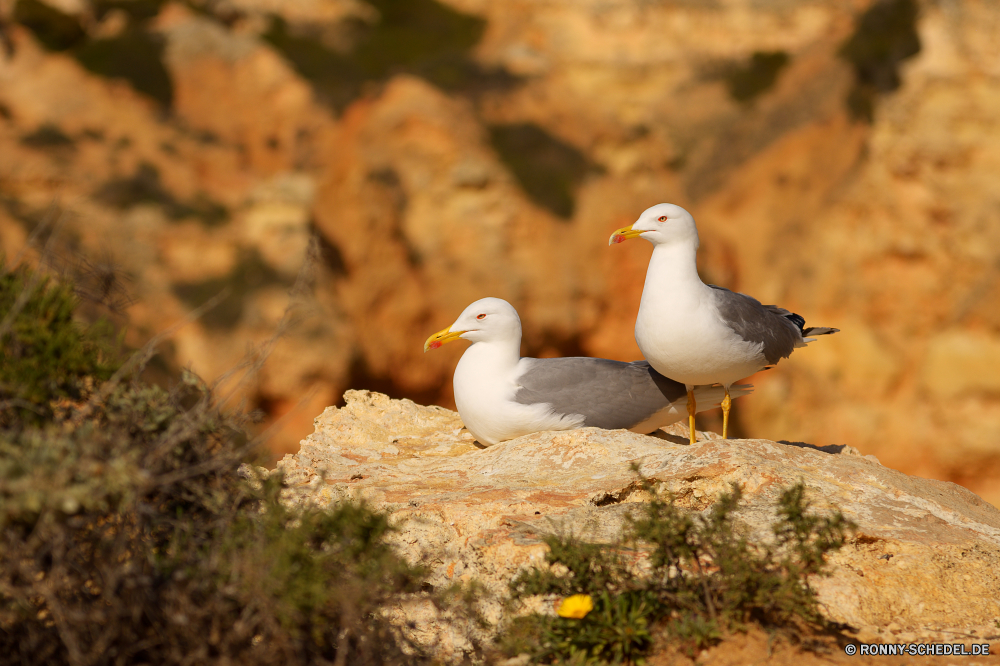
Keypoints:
pixel 425 38
pixel 704 579
pixel 129 533
pixel 136 54
pixel 884 36
pixel 757 76
pixel 47 356
pixel 145 187
pixel 547 169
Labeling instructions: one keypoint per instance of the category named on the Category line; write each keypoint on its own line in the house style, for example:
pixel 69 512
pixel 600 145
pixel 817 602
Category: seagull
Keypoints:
pixel 697 333
pixel 501 395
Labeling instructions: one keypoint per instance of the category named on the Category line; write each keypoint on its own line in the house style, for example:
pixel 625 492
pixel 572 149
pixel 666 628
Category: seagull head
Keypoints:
pixel 486 320
pixel 661 224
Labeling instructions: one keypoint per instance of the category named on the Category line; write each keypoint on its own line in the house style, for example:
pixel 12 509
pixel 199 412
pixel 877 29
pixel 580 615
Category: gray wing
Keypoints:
pixel 779 330
pixel 609 394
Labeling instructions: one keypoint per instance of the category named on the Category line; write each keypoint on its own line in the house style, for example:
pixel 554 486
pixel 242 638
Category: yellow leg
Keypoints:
pixel 692 408
pixel 727 402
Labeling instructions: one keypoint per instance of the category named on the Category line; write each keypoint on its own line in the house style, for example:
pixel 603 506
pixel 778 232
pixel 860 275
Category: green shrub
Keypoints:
pixel 136 54
pixel 425 38
pixel 704 579
pixel 47 356
pixel 54 29
pixel 547 169
pixel 757 76
pixel 145 187
pixel 130 534
pixel 250 273
pixel 47 136
pixel 884 36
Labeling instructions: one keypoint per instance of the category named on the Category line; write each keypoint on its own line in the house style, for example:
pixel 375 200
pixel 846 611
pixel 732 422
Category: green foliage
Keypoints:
pixel 423 37
pixel 250 273
pixel 548 169
pixel 590 568
pixel 54 29
pixel 145 187
pixel 704 579
pixel 136 55
pixel 806 538
pixel 47 136
pixel 47 356
pixel 137 10
pixel 332 567
pixel 44 474
pixel 420 37
pixel 756 76
pixel 616 631
pixel 129 534
pixel 885 36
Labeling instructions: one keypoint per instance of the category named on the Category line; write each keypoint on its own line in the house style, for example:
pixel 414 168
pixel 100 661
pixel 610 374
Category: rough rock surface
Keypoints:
pixel 925 560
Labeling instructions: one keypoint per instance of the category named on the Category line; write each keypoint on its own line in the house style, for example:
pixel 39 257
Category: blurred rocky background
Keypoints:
pixel 840 157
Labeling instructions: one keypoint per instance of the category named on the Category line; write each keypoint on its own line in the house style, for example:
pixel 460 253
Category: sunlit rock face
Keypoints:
pixel 839 159
pixel 923 562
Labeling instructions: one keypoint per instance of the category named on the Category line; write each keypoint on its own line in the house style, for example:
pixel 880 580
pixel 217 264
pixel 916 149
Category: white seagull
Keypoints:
pixel 697 333
pixel 501 395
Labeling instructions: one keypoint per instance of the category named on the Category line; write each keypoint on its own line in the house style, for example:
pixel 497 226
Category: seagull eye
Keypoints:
pixel 482 316
pixel 662 218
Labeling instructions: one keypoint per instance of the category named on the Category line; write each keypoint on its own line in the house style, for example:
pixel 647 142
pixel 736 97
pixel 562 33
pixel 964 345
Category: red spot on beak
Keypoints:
pixel 434 345
pixel 618 238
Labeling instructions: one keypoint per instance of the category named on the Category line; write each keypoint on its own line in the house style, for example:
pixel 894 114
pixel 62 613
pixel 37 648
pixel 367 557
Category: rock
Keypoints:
pixel 926 555
pixel 235 88
pixel 957 361
pixel 277 223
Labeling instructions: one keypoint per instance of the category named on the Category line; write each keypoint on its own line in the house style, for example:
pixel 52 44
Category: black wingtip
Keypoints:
pixel 797 319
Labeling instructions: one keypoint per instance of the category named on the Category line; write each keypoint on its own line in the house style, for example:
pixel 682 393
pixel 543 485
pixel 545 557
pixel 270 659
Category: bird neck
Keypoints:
pixel 674 264
pixel 494 356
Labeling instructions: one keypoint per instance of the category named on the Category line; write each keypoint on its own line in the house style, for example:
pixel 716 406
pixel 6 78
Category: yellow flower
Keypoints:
pixel 576 606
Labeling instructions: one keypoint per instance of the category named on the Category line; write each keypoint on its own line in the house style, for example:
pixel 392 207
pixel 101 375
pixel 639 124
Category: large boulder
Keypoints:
pixel 925 560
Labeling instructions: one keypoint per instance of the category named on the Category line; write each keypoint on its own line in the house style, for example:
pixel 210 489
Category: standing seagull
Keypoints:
pixel 697 333
pixel 501 396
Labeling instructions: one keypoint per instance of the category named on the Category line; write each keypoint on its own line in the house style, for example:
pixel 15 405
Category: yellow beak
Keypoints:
pixel 442 337
pixel 624 234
